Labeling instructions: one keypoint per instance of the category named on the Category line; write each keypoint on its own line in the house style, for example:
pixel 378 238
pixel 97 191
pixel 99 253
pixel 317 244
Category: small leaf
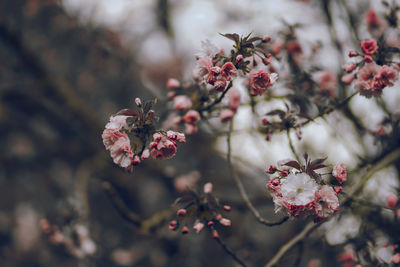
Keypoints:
pixel 232 36
pixel 128 112
pixel 254 39
pixel 293 164
pixel 317 161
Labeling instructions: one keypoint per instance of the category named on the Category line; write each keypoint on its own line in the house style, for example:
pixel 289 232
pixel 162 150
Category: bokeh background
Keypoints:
pixel 66 66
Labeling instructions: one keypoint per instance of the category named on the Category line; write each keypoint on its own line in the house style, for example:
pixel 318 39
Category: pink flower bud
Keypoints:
pixel 272 169
pixel 136 160
pixel 208 187
pixel 368 59
pixel 239 58
pixel 338 189
pixel 210 223
pixel 185 230
pixel 138 101
pixel 267 38
pixel 227 208
pixel 265 121
pixel 234 99
pixel 225 222
pixel 173 223
pixel 173 83
pixel 369 46
pixel 339 172
pixel 218 217
pixel 181 212
pixel 353 54
pixel 215 234
pixel 391 200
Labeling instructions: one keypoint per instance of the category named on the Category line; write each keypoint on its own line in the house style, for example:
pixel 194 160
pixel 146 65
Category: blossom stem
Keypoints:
pixel 291 145
pixel 229 251
pixel 241 188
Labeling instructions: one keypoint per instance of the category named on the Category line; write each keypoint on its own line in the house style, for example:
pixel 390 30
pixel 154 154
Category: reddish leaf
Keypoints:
pixel 128 112
pixel 293 164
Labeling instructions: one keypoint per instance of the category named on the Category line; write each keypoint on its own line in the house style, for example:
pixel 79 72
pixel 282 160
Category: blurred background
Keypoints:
pixel 66 66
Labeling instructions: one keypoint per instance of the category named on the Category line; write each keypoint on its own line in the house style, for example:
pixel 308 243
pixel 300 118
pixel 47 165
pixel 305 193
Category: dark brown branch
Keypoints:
pixel 216 101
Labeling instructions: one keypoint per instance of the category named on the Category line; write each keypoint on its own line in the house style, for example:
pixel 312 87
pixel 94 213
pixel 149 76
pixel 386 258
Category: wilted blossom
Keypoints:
pixel 369 46
pixel 164 146
pixel 260 80
pixel 182 102
pixel 339 172
pixel 326 202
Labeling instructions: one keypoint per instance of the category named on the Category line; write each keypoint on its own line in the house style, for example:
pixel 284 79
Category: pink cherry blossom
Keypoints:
pixel 117 122
pixel 162 148
pixel 228 70
pixel 203 67
pixel 182 102
pixel 299 189
pixel 367 80
pixel 121 152
pixel 369 46
pixel 226 115
pixel 388 75
pixel 326 202
pixel 233 99
pixel 260 80
pixel 339 172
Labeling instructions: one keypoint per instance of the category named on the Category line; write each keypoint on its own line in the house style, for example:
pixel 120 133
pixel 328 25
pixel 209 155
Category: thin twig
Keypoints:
pixel 229 251
pixel 291 145
pixel 216 101
pixel 294 241
pixel 240 186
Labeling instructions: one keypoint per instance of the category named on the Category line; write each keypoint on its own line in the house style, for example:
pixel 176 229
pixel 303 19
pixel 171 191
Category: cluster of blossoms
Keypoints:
pixel 302 193
pixel 205 209
pixel 369 77
pixel 213 79
pixel 128 133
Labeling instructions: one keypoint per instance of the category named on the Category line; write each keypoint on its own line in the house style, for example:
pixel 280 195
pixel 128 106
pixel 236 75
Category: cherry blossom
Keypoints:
pixel 260 80
pixel 369 46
